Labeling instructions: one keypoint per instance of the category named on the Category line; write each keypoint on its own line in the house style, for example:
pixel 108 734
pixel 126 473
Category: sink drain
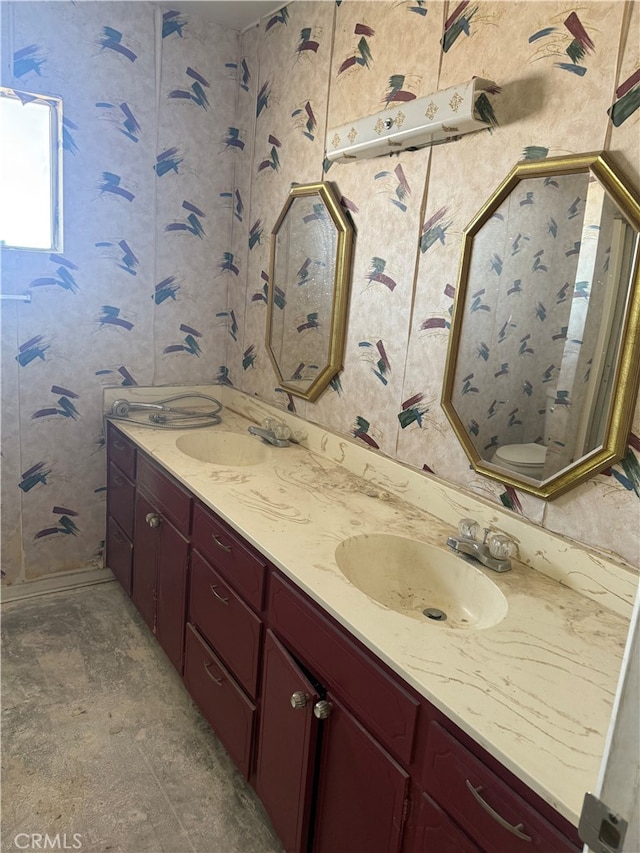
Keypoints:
pixel 435 613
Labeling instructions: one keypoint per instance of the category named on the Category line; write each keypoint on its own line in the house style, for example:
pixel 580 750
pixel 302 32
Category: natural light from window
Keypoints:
pixel 30 152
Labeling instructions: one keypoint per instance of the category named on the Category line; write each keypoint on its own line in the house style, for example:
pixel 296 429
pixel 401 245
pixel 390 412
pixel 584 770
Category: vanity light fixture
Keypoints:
pixel 430 120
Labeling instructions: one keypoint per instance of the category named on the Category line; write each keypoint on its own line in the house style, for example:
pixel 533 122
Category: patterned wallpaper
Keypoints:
pixel 139 293
pixel 181 144
pixel 570 83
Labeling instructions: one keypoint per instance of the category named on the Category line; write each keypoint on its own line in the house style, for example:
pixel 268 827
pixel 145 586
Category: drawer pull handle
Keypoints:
pixel 152 519
pixel 118 480
pixel 217 594
pixel 118 445
pixel 218 681
pixel 515 830
pixel 220 544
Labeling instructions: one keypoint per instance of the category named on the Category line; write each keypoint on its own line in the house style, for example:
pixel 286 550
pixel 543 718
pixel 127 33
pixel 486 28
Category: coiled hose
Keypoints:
pixel 164 416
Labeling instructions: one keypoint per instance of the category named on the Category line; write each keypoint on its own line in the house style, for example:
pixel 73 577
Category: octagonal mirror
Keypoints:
pixel 311 245
pixel 544 353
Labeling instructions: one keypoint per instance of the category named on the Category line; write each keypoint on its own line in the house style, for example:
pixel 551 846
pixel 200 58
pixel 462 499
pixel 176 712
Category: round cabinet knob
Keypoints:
pixel 152 519
pixel 322 709
pixel 298 700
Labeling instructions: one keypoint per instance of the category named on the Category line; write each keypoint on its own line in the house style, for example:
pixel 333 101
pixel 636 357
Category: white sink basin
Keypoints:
pixel 410 577
pixel 222 448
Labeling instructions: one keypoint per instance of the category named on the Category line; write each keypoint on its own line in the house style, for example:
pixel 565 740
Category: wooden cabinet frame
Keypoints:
pixel 374 754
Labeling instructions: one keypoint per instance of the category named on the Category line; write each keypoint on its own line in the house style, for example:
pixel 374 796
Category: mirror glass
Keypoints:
pixel 311 246
pixel 542 370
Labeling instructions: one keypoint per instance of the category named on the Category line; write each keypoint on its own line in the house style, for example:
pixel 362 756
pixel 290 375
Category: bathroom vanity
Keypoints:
pixel 360 728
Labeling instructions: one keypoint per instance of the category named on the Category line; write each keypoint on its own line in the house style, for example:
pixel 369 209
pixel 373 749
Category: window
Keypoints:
pixel 30 171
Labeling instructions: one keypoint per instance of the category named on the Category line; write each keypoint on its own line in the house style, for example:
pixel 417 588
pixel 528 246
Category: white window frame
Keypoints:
pixel 54 105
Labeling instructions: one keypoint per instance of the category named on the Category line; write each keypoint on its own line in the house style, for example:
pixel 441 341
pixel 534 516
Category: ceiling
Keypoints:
pixel 233 14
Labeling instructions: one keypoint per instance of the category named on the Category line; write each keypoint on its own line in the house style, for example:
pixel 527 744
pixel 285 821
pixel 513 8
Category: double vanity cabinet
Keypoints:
pixel 344 754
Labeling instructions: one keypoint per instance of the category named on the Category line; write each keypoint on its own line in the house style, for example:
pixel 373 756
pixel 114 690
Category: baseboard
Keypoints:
pixel 55 583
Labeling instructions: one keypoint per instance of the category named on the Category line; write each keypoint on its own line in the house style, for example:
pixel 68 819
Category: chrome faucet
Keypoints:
pixel 493 551
pixel 275 432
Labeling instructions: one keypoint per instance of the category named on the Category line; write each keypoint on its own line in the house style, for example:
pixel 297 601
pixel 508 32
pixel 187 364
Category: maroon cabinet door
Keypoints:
pixel 121 495
pixel 171 592
pixel 389 712
pixel 362 792
pixel 145 561
pixel 121 467
pixel 286 745
pixel 119 553
pixel 159 586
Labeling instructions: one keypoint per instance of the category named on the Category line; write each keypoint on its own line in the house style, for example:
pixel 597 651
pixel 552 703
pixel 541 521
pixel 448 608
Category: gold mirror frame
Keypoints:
pixel 325 252
pixel 626 367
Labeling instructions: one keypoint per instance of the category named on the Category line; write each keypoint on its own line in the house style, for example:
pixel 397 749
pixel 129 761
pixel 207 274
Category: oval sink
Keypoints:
pixel 410 577
pixel 222 448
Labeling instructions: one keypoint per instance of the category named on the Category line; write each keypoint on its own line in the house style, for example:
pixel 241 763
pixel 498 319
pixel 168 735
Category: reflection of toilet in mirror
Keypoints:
pixel 528 459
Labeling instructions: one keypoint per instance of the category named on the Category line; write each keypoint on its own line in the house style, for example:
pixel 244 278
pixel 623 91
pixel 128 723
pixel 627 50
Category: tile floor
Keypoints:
pixel 101 744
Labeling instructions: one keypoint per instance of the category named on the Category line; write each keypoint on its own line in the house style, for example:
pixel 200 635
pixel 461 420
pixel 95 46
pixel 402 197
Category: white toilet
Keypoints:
pixel 527 459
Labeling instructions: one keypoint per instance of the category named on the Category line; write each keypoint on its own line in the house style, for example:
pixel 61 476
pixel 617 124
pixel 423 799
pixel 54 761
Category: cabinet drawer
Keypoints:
pixel 387 710
pixel 121 451
pixel 241 567
pixel 119 556
pixel 226 622
pixel 168 495
pixel 224 705
pixel 482 803
pixel 437 833
pixel 121 498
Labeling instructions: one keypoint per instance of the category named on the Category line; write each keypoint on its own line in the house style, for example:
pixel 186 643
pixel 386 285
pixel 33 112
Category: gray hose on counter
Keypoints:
pixel 164 416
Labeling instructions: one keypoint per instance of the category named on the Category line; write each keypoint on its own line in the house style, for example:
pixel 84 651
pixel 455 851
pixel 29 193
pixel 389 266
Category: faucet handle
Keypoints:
pixel 468 528
pixel 281 431
pixel 278 428
pixel 501 546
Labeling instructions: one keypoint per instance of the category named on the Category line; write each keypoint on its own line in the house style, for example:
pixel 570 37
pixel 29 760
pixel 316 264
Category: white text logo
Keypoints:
pixel 38 841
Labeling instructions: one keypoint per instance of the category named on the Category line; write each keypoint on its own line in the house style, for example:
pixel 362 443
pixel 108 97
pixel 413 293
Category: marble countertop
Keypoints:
pixel 536 690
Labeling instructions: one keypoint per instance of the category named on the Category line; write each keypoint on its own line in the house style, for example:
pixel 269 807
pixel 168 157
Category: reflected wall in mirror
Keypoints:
pixel 544 354
pixel 311 245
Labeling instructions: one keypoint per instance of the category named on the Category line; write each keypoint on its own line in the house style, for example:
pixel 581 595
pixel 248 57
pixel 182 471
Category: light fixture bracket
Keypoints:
pixel 429 120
